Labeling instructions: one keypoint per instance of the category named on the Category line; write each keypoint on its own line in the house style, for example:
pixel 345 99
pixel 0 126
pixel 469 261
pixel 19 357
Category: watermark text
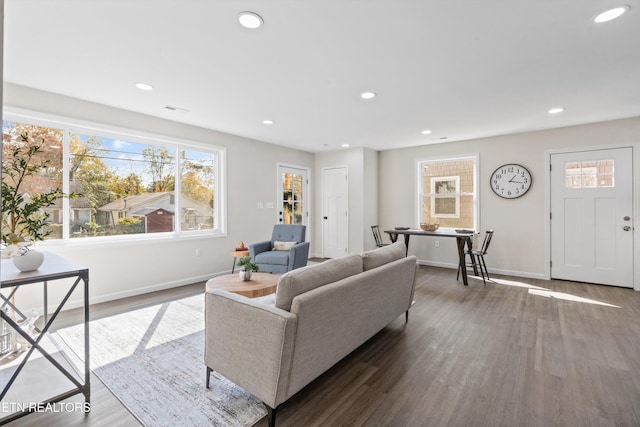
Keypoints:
pixel 12 407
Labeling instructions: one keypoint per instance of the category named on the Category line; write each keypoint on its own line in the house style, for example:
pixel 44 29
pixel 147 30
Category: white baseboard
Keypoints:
pixel 137 291
pixel 513 273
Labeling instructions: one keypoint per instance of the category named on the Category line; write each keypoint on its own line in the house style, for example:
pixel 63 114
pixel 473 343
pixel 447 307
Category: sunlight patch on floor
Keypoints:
pixel 544 292
pixel 568 297
pixel 516 284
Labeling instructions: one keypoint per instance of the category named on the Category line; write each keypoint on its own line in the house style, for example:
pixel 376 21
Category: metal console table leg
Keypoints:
pixel 53 268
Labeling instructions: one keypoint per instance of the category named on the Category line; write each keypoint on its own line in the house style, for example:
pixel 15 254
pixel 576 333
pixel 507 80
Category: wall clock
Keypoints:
pixel 510 181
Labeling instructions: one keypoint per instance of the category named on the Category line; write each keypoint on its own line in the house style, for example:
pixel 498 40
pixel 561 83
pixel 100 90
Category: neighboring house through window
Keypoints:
pixel 127 183
pixel 447 192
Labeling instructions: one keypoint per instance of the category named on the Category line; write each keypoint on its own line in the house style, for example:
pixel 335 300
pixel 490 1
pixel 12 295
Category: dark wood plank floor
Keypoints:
pixel 513 352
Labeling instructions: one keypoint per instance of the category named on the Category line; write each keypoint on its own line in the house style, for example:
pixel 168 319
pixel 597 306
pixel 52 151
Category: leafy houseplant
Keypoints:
pixel 248 266
pixel 24 219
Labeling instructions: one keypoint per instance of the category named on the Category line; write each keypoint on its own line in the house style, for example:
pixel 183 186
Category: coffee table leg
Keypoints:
pixel 233 269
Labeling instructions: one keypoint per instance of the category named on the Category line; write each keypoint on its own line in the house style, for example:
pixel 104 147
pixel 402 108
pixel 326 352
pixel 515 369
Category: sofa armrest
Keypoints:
pixel 250 344
pixel 257 248
pixel 298 255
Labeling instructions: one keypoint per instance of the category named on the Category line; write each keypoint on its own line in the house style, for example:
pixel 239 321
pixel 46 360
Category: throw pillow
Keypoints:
pixel 283 246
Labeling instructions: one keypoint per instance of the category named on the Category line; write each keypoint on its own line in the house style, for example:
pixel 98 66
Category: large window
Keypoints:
pixel 447 192
pixel 124 185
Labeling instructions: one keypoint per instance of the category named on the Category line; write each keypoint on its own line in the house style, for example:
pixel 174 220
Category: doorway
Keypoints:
pixel 293 198
pixel 335 212
pixel 592 216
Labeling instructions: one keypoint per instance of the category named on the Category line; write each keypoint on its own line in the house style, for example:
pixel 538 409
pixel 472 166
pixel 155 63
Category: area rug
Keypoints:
pixel 152 359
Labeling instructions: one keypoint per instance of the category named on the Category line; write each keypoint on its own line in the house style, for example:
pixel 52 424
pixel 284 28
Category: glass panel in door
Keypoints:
pixel 293 196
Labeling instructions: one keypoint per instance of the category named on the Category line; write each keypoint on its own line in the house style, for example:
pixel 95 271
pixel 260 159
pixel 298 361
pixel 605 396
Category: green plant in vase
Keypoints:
pixel 248 266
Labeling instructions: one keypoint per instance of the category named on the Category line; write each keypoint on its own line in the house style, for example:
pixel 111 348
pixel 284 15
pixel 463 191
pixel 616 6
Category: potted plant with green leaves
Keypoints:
pixel 248 266
pixel 24 220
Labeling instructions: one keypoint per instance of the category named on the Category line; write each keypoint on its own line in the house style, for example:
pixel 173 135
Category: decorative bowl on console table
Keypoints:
pixel 429 227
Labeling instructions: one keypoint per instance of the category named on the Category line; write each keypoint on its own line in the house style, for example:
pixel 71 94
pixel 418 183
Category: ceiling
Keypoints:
pixel 461 68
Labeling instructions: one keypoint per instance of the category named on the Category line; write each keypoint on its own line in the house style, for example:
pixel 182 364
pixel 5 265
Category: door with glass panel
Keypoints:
pixel 292 190
pixel 592 216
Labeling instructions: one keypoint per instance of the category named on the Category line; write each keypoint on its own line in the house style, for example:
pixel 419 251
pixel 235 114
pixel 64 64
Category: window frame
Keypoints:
pixel 174 145
pixel 420 193
pixel 435 195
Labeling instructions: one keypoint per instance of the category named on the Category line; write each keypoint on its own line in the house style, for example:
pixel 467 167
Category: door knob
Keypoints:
pixel 325 217
pixel 626 228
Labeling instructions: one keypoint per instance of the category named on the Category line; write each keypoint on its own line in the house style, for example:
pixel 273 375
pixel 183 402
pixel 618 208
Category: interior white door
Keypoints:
pixel 292 191
pixel 592 216
pixel 335 213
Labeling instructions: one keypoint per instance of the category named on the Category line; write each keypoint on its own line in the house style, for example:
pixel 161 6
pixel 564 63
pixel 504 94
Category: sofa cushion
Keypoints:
pixel 304 279
pixel 384 255
pixel 283 246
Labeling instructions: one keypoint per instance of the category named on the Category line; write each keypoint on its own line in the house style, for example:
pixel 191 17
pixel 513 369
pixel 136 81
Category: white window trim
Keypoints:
pixel 67 124
pixel 419 190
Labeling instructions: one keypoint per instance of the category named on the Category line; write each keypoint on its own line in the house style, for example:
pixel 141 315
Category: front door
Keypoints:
pixel 592 216
pixel 292 191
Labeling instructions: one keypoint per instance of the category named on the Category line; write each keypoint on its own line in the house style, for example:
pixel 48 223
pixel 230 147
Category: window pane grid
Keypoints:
pixel 589 174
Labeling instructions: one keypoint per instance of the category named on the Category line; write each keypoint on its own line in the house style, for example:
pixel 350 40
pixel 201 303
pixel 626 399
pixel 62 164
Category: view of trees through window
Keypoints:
pixel 123 187
pixel 45 179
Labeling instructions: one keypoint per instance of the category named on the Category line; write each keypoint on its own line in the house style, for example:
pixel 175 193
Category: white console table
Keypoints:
pixel 12 280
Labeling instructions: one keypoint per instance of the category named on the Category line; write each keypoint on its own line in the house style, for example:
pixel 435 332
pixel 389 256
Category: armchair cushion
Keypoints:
pixel 272 257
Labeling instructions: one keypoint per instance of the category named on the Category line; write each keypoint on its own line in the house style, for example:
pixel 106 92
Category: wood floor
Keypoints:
pixel 513 352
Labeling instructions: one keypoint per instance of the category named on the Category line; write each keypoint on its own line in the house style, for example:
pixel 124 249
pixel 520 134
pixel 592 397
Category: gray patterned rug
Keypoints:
pixel 152 359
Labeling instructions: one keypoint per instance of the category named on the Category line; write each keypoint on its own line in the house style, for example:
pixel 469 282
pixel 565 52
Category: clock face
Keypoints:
pixel 510 181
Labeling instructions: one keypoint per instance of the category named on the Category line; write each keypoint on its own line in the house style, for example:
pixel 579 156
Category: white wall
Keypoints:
pixel 370 197
pixel 518 245
pixel 127 268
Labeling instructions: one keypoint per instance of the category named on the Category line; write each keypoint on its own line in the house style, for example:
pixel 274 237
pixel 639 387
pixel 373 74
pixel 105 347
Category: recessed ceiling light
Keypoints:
pixel 345 145
pixel 611 14
pixel 426 132
pixel 250 20
pixel 267 122
pixel 556 110
pixel 144 86
pixel 367 95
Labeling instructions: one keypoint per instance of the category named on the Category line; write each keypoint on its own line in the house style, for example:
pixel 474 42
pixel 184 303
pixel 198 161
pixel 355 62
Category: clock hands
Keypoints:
pixel 515 182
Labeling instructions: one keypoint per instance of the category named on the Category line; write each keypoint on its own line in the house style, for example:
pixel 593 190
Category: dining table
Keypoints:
pixel 463 238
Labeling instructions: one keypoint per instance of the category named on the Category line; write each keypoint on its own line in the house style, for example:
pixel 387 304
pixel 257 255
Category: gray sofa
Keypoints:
pixel 273 346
